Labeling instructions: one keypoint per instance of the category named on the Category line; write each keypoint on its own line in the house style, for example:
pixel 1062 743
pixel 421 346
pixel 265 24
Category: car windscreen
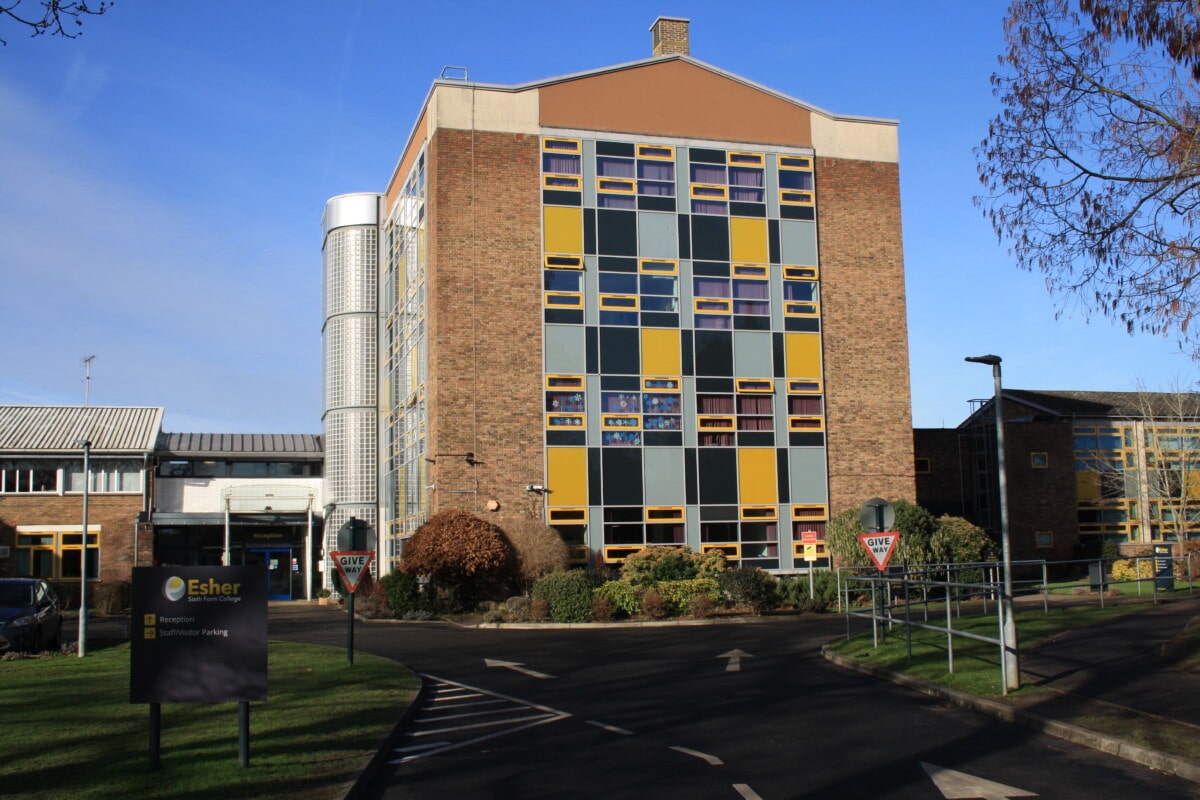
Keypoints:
pixel 16 595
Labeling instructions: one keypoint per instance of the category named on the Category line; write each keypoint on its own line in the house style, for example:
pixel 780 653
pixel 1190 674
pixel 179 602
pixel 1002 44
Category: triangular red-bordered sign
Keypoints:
pixel 352 565
pixel 879 547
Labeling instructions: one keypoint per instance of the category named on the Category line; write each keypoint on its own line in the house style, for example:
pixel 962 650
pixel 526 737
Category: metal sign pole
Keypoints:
pixel 350 632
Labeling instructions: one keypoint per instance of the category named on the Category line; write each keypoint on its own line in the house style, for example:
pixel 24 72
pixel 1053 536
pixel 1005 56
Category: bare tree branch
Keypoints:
pixel 54 14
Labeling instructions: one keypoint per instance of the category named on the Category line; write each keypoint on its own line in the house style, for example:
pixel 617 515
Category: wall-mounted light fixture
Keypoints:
pixel 535 487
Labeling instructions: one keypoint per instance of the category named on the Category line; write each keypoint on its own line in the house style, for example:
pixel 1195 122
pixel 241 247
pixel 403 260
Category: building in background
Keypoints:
pixel 42 481
pixel 1082 468
pixel 243 499
pixel 654 303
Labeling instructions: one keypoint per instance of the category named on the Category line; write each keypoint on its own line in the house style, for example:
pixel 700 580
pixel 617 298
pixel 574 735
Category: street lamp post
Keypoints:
pixel 1012 663
pixel 87 476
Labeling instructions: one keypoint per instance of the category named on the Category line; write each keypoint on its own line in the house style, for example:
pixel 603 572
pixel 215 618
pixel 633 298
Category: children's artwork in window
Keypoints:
pixel 565 402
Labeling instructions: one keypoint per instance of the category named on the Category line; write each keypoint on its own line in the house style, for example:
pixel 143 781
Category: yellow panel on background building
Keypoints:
pixel 748 240
pixel 1087 486
pixel 563 229
pixel 566 475
pixel 660 351
pixel 803 355
pixel 756 476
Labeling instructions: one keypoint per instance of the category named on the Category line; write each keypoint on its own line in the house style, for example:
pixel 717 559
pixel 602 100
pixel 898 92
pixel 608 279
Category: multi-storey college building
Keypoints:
pixel 653 303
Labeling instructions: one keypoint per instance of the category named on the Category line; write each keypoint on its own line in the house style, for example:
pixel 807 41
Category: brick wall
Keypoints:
pixel 115 514
pixel 943 489
pixel 865 332
pixel 484 319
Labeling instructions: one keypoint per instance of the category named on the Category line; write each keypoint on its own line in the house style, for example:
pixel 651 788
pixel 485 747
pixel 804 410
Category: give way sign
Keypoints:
pixel 352 564
pixel 880 546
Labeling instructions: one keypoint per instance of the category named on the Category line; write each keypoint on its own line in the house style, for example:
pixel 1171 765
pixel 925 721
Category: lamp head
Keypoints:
pixel 988 359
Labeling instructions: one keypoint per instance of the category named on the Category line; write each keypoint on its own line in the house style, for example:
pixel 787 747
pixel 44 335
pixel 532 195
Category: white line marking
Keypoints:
pixel 463 705
pixel 525 703
pixel 712 760
pixel 441 717
pixel 746 792
pixel 516 667
pixel 416 748
pixel 610 728
pixel 455 696
pixel 492 724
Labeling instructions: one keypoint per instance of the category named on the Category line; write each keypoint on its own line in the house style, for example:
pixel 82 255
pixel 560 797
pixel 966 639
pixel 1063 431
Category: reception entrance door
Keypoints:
pixel 279 571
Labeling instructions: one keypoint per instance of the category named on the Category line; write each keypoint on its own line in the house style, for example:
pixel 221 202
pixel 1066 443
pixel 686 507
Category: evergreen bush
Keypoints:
pixel 568 595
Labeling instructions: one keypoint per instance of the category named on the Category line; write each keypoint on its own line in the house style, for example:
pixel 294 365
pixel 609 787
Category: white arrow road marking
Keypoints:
pixel 515 667
pixel 712 760
pixel 960 786
pixel 735 660
pixel 610 728
pixel 746 792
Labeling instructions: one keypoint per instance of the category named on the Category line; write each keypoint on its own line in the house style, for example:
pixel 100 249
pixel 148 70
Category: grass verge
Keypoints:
pixel 70 731
pixel 977 671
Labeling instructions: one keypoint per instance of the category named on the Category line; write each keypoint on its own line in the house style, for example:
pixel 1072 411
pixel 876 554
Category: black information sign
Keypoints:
pixel 1164 567
pixel 198 635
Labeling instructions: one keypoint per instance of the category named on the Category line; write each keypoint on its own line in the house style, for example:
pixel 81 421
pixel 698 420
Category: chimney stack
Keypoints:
pixel 670 36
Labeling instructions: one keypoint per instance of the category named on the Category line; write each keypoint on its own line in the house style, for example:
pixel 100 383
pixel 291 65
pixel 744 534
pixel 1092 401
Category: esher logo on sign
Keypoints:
pixel 352 564
pixel 879 547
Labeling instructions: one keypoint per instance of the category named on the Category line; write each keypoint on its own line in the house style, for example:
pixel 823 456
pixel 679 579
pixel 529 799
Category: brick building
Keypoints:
pixel 1082 468
pixel 42 489
pixel 654 303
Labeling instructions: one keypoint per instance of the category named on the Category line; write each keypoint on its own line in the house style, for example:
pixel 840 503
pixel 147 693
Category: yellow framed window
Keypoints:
pixel 800 273
pixel 663 513
pixel 658 266
pixel 568 515
pixel 661 152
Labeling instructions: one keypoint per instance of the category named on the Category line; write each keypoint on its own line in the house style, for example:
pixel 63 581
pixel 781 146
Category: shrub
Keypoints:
pixel 109 597
pixel 622 597
pixel 794 591
pixel 402 592
pixel 654 564
pixel 702 606
pixel 568 595
pixel 539 551
pixel 677 595
pixel 602 610
pixel 1123 569
pixel 653 606
pixel 371 600
pixel 750 587
pixel 518 608
pixel 464 554
pixel 539 610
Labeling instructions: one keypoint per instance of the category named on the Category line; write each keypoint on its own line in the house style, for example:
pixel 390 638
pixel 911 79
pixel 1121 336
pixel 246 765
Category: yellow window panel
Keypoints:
pixel 564 381
pixel 659 151
pixel 564 262
pixel 800 273
pixel 795 162
pixel 1087 485
pixel 659 267
pixel 809 512
pixel 659 514
pixel 579 554
pixel 748 159
pixel 755 385
pixel 756 476
pixel 554 145
pixel 659 384
pixel 803 355
pixel 748 240
pixel 614 554
pixel 660 352
pixel 569 182
pixel 564 300
pixel 731 551
pixel 759 512
pixel 566 475
pixel 563 229
pixel 568 515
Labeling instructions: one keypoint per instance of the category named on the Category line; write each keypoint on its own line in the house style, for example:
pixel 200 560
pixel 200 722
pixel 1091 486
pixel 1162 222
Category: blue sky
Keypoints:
pixel 162 180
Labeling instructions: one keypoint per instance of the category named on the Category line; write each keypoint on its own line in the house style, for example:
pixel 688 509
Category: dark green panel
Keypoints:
pixel 554 197
pixel 655 203
pixel 802 324
pixel 710 238
pixel 620 351
pixel 773 241
pixel 747 209
pixel 714 353
pixel 706 156
pixel 566 438
pixel 592 343
pixel 615 149
pixel 589 231
pixel 595 496
pixel 781 472
pixel 718 477
pixel 685 237
pixel 622 470
pixel 616 232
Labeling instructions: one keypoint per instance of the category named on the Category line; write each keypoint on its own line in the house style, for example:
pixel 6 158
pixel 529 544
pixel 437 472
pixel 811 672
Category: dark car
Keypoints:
pixel 30 615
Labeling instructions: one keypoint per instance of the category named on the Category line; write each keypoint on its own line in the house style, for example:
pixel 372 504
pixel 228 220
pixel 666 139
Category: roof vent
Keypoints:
pixel 670 37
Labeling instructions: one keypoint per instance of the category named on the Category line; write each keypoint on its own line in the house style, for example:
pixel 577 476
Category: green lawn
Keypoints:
pixel 69 730
pixel 977 670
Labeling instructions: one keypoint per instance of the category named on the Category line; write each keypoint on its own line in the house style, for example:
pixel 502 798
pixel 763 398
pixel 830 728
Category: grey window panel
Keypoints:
pixel 798 242
pixel 752 354
pixel 658 235
pixel 810 481
pixel 566 351
pixel 664 476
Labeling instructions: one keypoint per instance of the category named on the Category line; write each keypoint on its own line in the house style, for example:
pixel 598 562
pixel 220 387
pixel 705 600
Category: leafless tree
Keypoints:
pixel 53 17
pixel 1092 168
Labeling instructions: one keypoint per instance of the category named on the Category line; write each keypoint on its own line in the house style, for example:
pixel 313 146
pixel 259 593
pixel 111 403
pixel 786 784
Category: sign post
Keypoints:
pixel 352 565
pixel 199 635
pixel 1164 571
